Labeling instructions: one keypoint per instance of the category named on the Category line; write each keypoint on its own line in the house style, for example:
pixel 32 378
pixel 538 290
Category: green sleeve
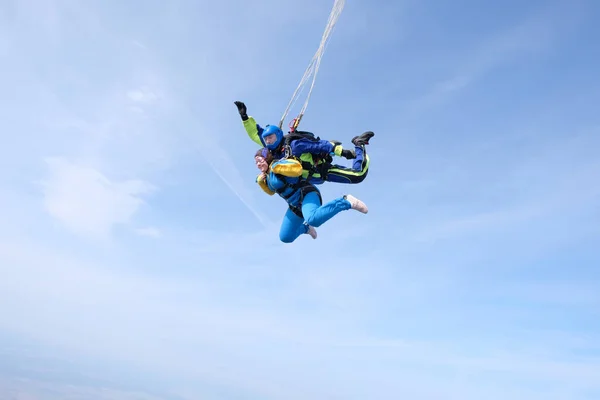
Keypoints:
pixel 252 130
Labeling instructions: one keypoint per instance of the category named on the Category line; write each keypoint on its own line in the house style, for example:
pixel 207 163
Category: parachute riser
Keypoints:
pixel 295 122
pixel 293 125
pixel 313 67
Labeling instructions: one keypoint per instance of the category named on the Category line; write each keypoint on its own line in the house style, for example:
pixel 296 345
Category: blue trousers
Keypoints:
pixel 314 214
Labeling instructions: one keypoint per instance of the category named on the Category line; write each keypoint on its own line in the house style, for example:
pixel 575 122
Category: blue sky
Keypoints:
pixel 134 239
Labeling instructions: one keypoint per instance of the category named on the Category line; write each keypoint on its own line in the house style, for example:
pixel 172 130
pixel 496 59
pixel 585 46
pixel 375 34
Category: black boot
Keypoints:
pixel 363 139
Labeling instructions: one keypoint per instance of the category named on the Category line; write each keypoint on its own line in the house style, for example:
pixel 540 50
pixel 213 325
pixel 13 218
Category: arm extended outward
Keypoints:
pixel 253 129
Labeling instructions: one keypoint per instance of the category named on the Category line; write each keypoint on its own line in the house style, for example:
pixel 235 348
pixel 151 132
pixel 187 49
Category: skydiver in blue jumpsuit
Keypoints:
pixel 305 209
pixel 314 154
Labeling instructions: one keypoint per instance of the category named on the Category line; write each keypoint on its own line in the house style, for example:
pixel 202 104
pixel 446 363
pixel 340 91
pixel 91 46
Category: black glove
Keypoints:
pixel 348 154
pixel 242 110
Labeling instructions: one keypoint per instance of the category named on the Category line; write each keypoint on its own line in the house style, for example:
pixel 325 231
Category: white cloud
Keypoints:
pixel 86 201
pixel 31 389
pixel 149 231
pixel 211 304
pixel 537 33
pixel 142 95
pixel 553 179
pixel 139 44
pixel 334 349
pixel 137 110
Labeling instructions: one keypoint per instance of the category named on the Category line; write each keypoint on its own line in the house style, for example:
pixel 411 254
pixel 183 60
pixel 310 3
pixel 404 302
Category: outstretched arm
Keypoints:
pixel 253 129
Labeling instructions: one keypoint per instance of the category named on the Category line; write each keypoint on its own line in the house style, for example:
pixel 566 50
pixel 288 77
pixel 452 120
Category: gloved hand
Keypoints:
pixel 348 154
pixel 242 110
pixel 339 151
pixel 337 147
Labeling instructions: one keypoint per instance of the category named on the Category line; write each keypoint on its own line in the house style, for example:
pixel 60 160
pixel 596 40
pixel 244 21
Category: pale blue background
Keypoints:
pixel 136 248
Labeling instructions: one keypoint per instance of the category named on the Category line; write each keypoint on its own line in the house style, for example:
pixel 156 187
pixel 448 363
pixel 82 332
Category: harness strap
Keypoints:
pixel 294 187
pixel 305 187
pixel 318 167
pixel 303 192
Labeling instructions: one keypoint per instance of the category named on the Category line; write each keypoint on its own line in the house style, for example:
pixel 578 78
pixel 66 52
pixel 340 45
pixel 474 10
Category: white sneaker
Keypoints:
pixel 357 204
pixel 312 232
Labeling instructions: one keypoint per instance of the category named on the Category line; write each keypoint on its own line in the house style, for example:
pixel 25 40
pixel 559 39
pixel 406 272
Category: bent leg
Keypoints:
pixel 292 226
pixel 316 214
pixel 361 161
pixel 356 174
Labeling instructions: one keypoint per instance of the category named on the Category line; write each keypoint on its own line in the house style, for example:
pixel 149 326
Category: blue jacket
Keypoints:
pixel 304 149
pixel 284 178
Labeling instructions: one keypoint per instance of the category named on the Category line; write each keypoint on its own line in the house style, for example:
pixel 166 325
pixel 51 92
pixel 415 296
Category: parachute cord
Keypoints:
pixel 313 67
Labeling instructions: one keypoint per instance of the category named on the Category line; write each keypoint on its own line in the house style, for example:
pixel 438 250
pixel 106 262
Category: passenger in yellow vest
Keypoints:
pixel 305 205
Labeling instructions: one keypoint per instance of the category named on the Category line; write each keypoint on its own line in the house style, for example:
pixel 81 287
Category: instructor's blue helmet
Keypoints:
pixel 270 130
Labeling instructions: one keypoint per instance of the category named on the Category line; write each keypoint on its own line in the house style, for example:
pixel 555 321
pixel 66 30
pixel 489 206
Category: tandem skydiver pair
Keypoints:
pixel 292 164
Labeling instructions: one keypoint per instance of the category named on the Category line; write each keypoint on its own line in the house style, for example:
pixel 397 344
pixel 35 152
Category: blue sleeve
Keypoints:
pixel 301 146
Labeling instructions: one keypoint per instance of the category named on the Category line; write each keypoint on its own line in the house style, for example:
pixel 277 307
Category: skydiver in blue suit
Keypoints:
pixel 305 204
pixel 313 153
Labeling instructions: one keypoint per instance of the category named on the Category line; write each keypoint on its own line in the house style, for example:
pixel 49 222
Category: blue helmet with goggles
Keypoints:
pixel 272 130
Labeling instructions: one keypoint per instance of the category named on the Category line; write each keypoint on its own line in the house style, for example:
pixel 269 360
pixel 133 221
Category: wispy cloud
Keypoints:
pixel 149 231
pixel 552 179
pixel 476 280
pixel 535 34
pixel 232 174
pixel 142 95
pixel 234 332
pixel 86 201
pixel 213 147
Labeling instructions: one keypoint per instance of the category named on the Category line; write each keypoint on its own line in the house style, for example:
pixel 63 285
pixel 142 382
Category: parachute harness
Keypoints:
pixel 313 67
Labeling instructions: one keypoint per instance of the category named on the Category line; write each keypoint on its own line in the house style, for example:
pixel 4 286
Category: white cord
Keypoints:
pixel 313 67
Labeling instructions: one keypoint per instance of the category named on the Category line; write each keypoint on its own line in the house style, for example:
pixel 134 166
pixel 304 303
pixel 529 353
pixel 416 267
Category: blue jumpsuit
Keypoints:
pixel 307 150
pixel 305 206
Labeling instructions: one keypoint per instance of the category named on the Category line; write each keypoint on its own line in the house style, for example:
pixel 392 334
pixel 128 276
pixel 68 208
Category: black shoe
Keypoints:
pixel 363 139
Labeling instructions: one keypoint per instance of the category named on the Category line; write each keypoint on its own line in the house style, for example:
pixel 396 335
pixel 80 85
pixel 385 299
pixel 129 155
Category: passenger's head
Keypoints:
pixel 263 159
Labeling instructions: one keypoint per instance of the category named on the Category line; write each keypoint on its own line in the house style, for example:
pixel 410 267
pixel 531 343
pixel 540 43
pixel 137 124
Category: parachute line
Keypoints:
pixel 313 67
